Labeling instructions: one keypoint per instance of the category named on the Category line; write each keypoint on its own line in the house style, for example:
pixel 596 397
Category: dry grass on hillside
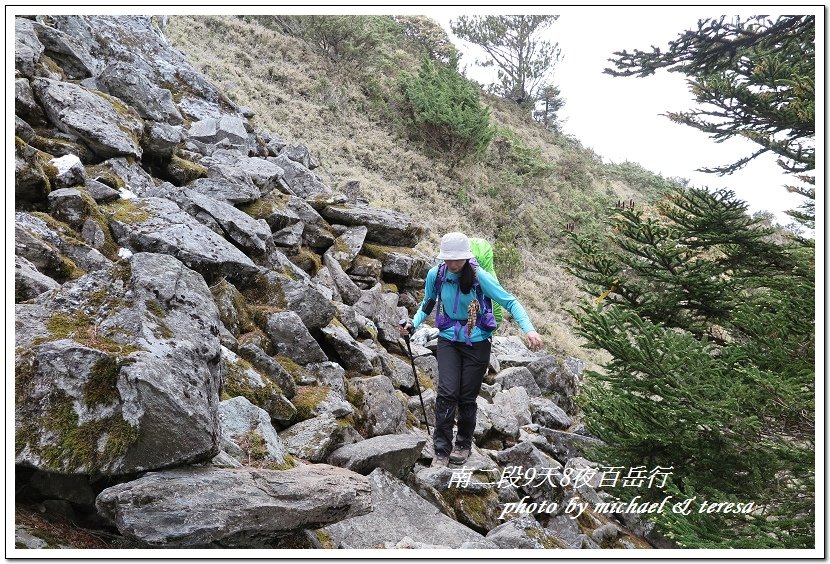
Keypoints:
pixel 305 98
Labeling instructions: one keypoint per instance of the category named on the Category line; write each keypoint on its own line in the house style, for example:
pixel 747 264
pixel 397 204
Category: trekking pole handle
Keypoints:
pixel 403 323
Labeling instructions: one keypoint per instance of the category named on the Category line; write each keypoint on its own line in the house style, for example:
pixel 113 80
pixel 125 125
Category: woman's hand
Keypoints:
pixel 405 328
pixel 534 340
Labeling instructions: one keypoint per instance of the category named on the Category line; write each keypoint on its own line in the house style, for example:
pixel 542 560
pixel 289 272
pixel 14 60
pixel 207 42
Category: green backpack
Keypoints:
pixel 483 252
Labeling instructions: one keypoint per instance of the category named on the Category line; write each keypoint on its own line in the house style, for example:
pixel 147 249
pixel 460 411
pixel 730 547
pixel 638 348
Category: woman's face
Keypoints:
pixel 455 266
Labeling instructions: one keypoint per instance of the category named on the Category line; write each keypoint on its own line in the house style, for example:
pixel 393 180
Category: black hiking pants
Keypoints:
pixel 461 370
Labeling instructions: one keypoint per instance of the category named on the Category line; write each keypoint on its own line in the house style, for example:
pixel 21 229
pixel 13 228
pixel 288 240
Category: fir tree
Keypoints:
pixel 756 80
pixel 709 320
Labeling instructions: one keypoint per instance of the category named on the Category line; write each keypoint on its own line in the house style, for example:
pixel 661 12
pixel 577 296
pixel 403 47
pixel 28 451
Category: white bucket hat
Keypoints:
pixel 455 246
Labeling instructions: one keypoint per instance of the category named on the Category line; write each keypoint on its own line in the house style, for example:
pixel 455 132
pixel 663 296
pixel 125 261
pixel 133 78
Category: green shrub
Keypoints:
pixel 506 255
pixel 340 38
pixel 446 112
pixel 640 179
pixel 510 151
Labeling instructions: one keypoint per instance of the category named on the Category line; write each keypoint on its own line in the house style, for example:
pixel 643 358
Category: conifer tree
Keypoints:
pixel 445 111
pixel 514 46
pixel 549 103
pixel 709 321
pixel 756 80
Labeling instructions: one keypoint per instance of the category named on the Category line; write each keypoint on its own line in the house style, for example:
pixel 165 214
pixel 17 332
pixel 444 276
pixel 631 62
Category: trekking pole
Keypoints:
pixel 402 323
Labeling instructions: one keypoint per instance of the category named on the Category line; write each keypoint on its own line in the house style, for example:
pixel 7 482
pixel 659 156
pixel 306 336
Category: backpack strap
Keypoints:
pixel 486 303
pixel 439 282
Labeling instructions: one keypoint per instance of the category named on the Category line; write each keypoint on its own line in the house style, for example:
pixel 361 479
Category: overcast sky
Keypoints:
pixel 619 117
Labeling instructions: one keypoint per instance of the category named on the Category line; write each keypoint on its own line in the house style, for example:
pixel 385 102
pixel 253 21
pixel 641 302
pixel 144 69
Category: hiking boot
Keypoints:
pixel 439 461
pixel 459 455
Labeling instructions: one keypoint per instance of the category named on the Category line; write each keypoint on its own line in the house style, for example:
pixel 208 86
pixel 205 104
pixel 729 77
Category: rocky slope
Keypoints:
pixel 206 349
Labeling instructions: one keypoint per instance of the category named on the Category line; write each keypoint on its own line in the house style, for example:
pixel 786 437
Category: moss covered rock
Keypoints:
pixel 118 372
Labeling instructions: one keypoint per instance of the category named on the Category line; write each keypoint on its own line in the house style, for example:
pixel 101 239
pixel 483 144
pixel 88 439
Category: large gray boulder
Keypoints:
pixel 27 47
pixel 301 154
pixel 353 354
pixel 201 507
pixel 511 346
pixel 248 436
pixel 269 368
pixel 394 453
pixel 347 246
pixel 345 286
pixel 136 41
pixel 160 141
pixel 313 439
pixel 559 379
pixel 213 130
pixel 242 379
pixel 291 289
pixel 379 410
pixel 130 175
pixel 100 192
pixel 523 532
pixel 29 282
pixel 497 420
pixel 133 87
pixel 22 129
pixel 119 371
pixel 547 477
pixel 399 266
pixel 234 312
pixel 515 400
pixel 227 185
pixel 251 235
pixel 290 238
pixel 563 445
pixel 329 374
pixel 308 300
pixel 158 225
pixel 67 52
pixel 67 205
pixel 70 171
pixel 397 513
pixel 314 401
pixel 518 376
pixel 398 370
pixel 264 174
pixel 108 128
pixel 291 338
pixel 382 308
pixel 52 253
pixel 298 179
pixel 31 183
pixel 284 210
pixel 384 226
pixel 36 242
pixel 547 414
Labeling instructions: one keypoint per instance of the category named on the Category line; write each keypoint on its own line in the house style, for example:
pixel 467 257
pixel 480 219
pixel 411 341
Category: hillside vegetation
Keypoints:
pixel 336 89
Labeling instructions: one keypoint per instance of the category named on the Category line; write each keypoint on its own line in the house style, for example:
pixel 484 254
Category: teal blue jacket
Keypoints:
pixel 489 286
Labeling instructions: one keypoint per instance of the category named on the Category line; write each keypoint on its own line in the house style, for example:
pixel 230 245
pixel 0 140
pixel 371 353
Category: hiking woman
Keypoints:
pixel 465 320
